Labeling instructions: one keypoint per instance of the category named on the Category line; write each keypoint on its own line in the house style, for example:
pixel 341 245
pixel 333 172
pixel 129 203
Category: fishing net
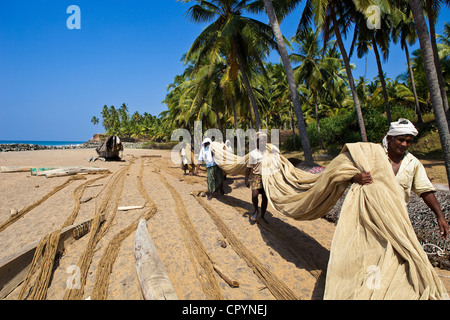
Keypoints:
pixel 375 253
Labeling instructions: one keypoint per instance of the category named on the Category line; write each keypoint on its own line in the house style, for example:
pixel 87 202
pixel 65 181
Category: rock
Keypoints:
pixel 222 242
pixel 13 212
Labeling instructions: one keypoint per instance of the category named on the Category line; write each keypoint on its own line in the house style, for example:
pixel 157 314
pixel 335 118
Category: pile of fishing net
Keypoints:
pixel 375 253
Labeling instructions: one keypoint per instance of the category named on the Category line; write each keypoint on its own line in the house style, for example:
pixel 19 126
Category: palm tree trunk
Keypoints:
pixel 230 101
pixel 413 84
pixel 217 117
pixel 317 121
pixel 432 80
pixel 293 128
pixel 383 82
pixel 291 81
pixel 351 82
pixel 437 63
pixel 248 87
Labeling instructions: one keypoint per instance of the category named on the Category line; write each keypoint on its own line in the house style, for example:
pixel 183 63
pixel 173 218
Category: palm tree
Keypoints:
pixel 367 39
pixel 290 76
pixel 281 99
pixel 178 103
pixel 444 53
pixel 404 31
pixel 94 120
pixel 243 39
pixel 336 82
pixel 432 80
pixel 432 10
pixel 445 39
pixel 313 69
pixel 334 17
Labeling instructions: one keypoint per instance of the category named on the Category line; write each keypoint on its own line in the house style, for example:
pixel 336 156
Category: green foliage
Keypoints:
pixel 119 122
pixel 160 145
pixel 340 129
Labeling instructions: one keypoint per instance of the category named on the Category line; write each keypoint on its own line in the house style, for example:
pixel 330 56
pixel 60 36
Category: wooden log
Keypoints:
pixel 129 208
pixel 13 169
pixel 94 185
pixel 14 268
pixel 232 283
pixel 73 171
pixel 43 171
pixel 153 279
pixel 86 199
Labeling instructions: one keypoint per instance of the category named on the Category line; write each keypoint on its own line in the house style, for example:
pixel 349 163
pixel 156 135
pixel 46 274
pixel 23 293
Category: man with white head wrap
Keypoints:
pixel 214 174
pixel 408 170
pixel 254 182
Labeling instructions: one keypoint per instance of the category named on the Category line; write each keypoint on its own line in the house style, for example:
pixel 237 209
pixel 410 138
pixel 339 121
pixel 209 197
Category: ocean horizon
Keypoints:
pixel 42 142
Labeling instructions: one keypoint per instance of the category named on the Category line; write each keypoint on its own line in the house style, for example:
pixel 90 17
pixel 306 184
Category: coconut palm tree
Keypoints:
pixel 314 68
pixel 404 31
pixel 432 80
pixel 432 9
pixel 284 8
pixel 281 99
pixel 445 39
pixel 366 39
pixel 242 38
pixel 334 17
pixel 444 54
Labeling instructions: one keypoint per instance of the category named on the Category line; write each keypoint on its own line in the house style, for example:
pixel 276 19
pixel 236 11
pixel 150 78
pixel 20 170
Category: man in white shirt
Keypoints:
pixel 254 166
pixel 408 170
pixel 214 174
pixel 184 161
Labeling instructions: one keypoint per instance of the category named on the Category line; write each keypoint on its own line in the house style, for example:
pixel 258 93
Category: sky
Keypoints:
pixel 54 79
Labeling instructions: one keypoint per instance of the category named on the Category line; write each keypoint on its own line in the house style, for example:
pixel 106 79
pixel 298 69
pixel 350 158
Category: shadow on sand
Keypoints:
pixel 292 244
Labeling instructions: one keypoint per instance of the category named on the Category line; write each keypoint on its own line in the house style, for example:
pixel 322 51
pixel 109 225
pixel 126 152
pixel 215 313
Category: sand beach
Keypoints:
pixel 281 259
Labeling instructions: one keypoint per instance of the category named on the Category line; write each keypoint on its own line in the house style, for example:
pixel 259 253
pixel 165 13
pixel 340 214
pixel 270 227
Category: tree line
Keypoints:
pixel 119 122
pixel 228 83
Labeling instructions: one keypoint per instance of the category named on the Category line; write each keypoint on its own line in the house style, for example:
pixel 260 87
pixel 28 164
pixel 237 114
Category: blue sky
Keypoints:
pixel 53 80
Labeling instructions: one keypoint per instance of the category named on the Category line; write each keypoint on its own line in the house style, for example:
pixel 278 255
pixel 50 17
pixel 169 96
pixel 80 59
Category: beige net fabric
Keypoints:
pixel 375 253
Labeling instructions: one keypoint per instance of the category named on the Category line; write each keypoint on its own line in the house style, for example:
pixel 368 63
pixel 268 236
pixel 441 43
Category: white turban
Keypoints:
pixel 260 135
pixel 206 140
pixel 400 128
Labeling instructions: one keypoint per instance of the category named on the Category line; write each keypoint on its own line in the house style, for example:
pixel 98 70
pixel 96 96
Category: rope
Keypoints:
pixel 76 195
pixel 276 287
pixel 195 247
pixel 98 230
pixel 30 207
pixel 440 254
pixel 109 256
pixel 45 253
pixel 441 251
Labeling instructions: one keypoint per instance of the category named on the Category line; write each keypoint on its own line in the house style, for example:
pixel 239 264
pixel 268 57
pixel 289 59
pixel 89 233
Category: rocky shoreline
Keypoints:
pixel 85 145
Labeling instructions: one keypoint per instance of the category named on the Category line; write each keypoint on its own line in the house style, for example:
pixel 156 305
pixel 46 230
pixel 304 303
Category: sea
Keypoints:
pixel 42 143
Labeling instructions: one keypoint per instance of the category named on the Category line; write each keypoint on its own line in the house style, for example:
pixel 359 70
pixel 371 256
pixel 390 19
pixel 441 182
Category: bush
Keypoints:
pixel 159 145
pixel 338 130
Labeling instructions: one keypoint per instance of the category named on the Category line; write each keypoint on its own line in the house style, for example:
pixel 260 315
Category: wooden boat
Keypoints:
pixel 153 279
pixel 14 268
pixel 110 148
